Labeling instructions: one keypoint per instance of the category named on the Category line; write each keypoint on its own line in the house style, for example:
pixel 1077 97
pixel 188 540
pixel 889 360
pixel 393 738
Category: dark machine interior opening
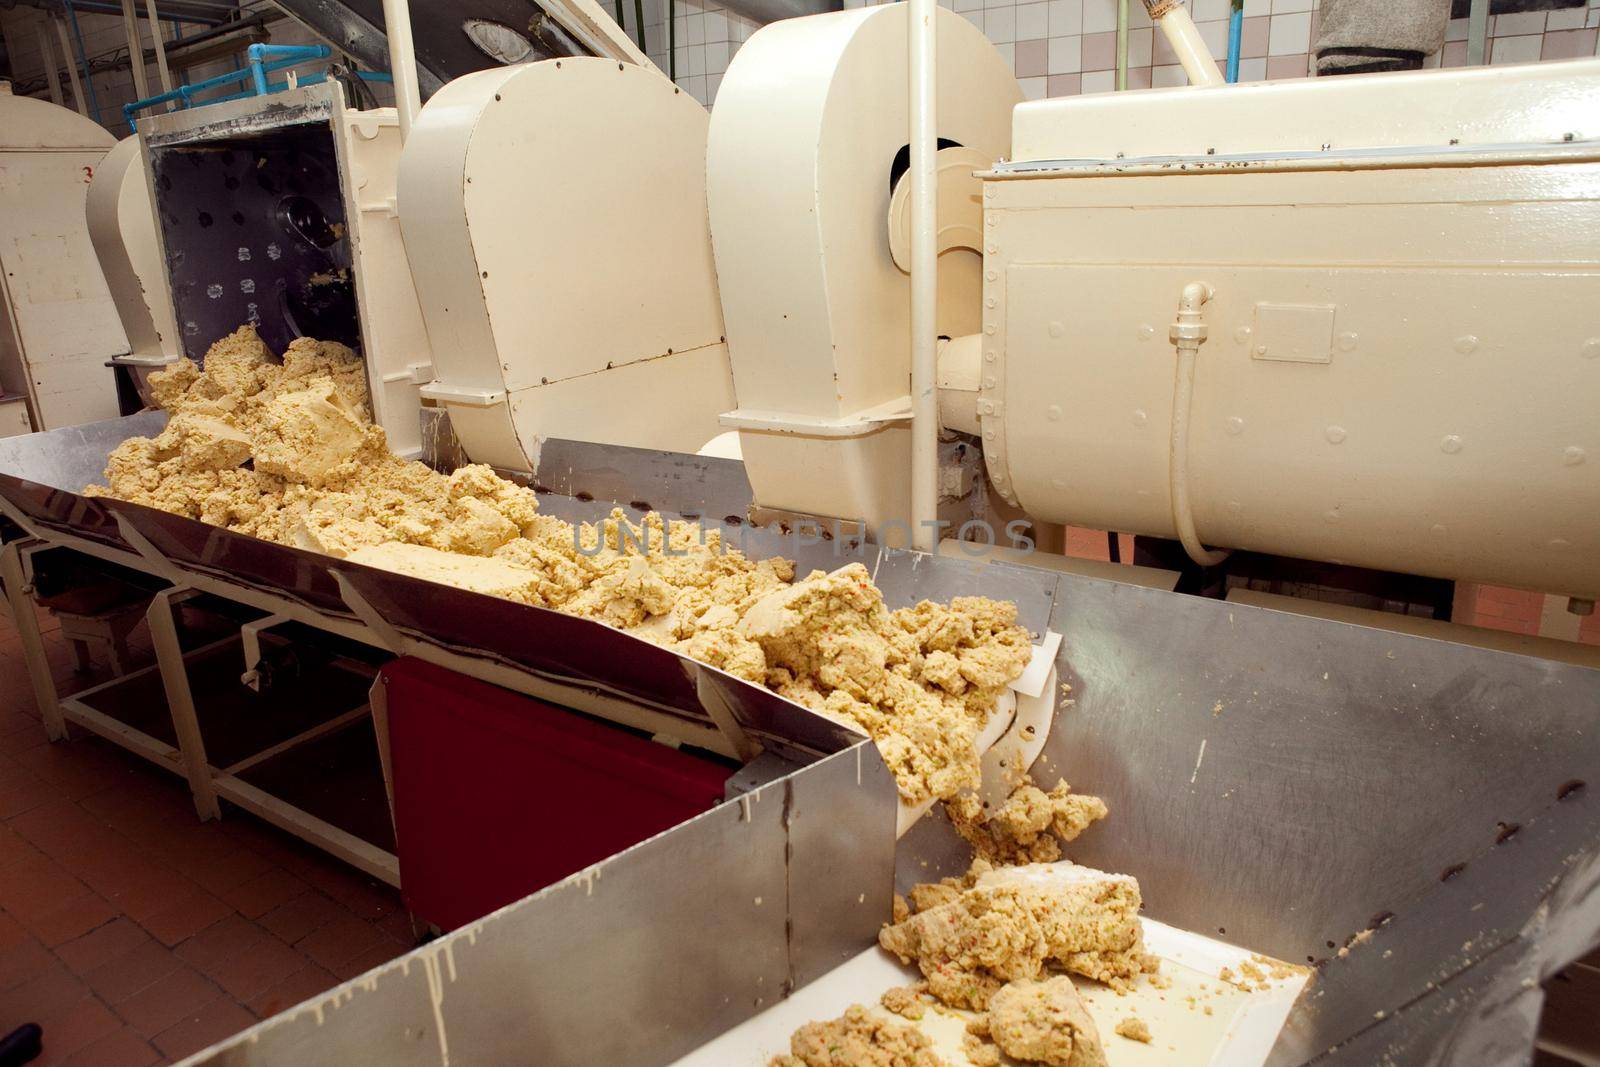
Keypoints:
pixel 255 232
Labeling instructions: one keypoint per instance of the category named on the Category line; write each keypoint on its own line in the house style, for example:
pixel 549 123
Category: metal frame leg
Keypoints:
pixel 19 594
pixel 180 701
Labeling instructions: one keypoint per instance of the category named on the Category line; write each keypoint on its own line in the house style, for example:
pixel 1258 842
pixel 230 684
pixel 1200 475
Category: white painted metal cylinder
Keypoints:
pixel 402 63
pixel 1402 365
pixel 1184 37
pixel 923 138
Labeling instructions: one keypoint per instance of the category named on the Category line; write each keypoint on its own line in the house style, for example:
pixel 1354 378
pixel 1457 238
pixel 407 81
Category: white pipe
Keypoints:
pixel 1188 333
pixel 154 19
pixel 924 274
pixel 130 29
pixel 72 71
pixel 402 63
pixel 51 74
pixel 1184 37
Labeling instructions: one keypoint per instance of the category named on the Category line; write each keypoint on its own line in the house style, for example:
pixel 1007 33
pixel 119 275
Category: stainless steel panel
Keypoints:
pixel 1455 978
pixel 1278 780
pixel 634 961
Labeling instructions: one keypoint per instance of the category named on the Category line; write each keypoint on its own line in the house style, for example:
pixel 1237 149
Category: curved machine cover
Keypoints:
pixel 554 216
pixel 810 119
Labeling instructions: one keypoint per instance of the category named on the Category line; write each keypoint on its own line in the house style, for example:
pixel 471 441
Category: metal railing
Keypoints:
pixel 264 60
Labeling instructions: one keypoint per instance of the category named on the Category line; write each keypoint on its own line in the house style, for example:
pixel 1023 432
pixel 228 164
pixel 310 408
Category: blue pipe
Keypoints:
pixel 256 74
pixel 83 60
pixel 1235 39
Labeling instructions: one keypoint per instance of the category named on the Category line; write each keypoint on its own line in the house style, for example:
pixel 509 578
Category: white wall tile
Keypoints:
pixel 1140 43
pixel 716 57
pixel 1099 16
pixel 1522 22
pixel 1517 49
pixel 1568 18
pixel 1000 24
pixel 694 30
pixel 1007 52
pixel 1210 10
pixel 1066 55
pixel 1285 7
pixel 1289 34
pixel 716 27
pixel 1066 17
pixel 1456 29
pixel 713 83
pixel 1255 8
pixel 1033 22
pixel 1253 70
pixel 974 17
pixel 1033 88
pixel 1215 35
pixel 1099 81
pixel 1167 77
pixel 969 5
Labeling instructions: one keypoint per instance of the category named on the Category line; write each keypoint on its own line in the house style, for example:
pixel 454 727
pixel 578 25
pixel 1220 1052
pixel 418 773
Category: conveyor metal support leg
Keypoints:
pixel 19 594
pixel 185 723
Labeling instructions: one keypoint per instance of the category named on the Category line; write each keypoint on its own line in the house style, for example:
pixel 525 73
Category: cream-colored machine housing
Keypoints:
pixel 308 148
pixel 808 124
pixel 554 218
pixel 122 228
pixel 1400 364
pixel 58 327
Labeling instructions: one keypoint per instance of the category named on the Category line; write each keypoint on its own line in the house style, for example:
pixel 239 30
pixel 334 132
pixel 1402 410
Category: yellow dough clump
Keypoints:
pixel 286 451
pixel 1029 827
pixel 970 936
pixel 858 1039
pixel 1045 1022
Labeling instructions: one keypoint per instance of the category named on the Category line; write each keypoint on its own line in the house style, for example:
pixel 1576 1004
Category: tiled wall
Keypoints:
pixel 1062 47
pixel 1056 47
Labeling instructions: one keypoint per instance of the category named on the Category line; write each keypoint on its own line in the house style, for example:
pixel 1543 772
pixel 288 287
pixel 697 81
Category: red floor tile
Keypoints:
pixel 202 1028
pixel 259 895
pixel 168 1001
pixel 122 1048
pixel 340 941
pixel 304 914
pixel 76 1026
pixel 102 945
pixel 72 919
pixel 285 993
pixel 185 917
pixel 133 932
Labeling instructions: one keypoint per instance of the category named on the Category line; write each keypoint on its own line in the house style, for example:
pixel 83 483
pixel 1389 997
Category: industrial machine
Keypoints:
pixel 1196 314
pixel 1200 316
pixel 58 328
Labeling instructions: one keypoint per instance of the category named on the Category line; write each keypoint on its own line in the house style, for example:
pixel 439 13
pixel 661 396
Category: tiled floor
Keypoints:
pixel 132 932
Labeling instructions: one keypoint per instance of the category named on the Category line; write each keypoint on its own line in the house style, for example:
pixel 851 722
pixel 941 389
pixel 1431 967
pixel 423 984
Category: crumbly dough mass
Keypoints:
pixel 1045 1022
pixel 287 451
pixel 858 1038
pixel 972 935
pixel 1029 827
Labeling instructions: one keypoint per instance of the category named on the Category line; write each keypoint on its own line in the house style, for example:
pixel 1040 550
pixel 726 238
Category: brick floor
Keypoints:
pixel 136 934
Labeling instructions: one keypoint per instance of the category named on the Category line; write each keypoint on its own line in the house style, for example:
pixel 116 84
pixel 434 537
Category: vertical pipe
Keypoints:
pixel 1184 37
pixel 638 25
pixel 51 73
pixel 154 19
pixel 923 42
pixel 130 29
pixel 402 63
pixel 672 41
pixel 1478 33
pixel 83 61
pixel 1235 38
pixel 78 99
pixel 1122 45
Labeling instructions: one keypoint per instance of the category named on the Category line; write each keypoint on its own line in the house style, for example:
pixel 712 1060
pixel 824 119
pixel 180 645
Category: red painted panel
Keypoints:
pixel 497 794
